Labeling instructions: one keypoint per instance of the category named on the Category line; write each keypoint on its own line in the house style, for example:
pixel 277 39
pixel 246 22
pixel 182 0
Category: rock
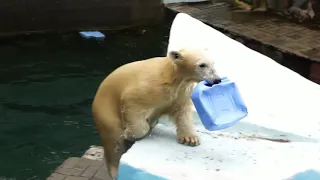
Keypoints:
pixel 94 153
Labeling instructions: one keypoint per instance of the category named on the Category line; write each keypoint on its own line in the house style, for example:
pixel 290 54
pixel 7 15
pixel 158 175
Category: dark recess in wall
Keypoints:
pixel 23 16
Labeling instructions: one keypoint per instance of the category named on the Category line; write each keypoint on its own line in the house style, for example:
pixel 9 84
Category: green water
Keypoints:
pixel 46 89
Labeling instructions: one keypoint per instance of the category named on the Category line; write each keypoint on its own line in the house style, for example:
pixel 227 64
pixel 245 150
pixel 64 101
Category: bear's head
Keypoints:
pixel 195 64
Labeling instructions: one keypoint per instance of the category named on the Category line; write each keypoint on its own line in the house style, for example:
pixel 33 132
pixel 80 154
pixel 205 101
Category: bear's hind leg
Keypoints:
pixel 114 147
pixel 112 152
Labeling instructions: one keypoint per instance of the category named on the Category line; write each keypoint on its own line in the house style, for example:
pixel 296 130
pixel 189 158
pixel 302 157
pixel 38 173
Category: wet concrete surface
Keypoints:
pixel 270 30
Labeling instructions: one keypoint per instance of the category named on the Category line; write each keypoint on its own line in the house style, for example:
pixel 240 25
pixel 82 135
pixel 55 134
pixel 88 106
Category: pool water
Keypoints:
pixel 47 84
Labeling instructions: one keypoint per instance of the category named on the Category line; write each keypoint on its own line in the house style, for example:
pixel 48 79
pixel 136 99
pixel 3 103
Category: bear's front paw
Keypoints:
pixel 190 140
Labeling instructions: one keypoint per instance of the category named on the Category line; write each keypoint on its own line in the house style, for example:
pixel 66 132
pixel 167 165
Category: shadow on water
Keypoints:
pixel 46 88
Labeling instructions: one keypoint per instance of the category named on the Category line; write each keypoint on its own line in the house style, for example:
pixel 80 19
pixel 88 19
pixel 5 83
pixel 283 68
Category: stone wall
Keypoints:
pixel 61 15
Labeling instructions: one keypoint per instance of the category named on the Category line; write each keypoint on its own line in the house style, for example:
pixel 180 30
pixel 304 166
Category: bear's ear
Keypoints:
pixel 174 55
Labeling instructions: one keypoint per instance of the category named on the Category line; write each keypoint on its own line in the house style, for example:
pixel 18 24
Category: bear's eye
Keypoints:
pixel 175 55
pixel 202 65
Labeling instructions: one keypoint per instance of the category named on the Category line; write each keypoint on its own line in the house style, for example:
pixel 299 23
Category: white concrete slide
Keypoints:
pixel 279 139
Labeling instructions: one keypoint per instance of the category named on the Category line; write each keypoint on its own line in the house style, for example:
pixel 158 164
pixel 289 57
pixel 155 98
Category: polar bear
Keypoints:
pixel 130 100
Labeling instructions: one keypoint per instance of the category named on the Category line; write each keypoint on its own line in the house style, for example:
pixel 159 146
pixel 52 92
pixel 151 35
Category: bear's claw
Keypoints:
pixel 192 140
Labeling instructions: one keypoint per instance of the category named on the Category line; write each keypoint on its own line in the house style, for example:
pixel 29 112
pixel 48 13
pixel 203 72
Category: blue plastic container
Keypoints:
pixel 220 105
pixel 92 34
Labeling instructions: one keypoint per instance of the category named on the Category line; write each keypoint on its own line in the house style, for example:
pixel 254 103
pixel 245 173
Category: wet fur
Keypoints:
pixel 130 100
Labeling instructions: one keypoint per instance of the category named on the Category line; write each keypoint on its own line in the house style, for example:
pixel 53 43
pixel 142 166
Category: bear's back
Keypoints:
pixel 136 73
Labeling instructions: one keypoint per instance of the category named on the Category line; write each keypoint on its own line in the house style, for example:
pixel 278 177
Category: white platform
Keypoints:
pixel 281 104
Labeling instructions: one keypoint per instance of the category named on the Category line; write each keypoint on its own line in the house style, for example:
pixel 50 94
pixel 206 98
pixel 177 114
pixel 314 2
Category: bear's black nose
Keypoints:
pixel 217 81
